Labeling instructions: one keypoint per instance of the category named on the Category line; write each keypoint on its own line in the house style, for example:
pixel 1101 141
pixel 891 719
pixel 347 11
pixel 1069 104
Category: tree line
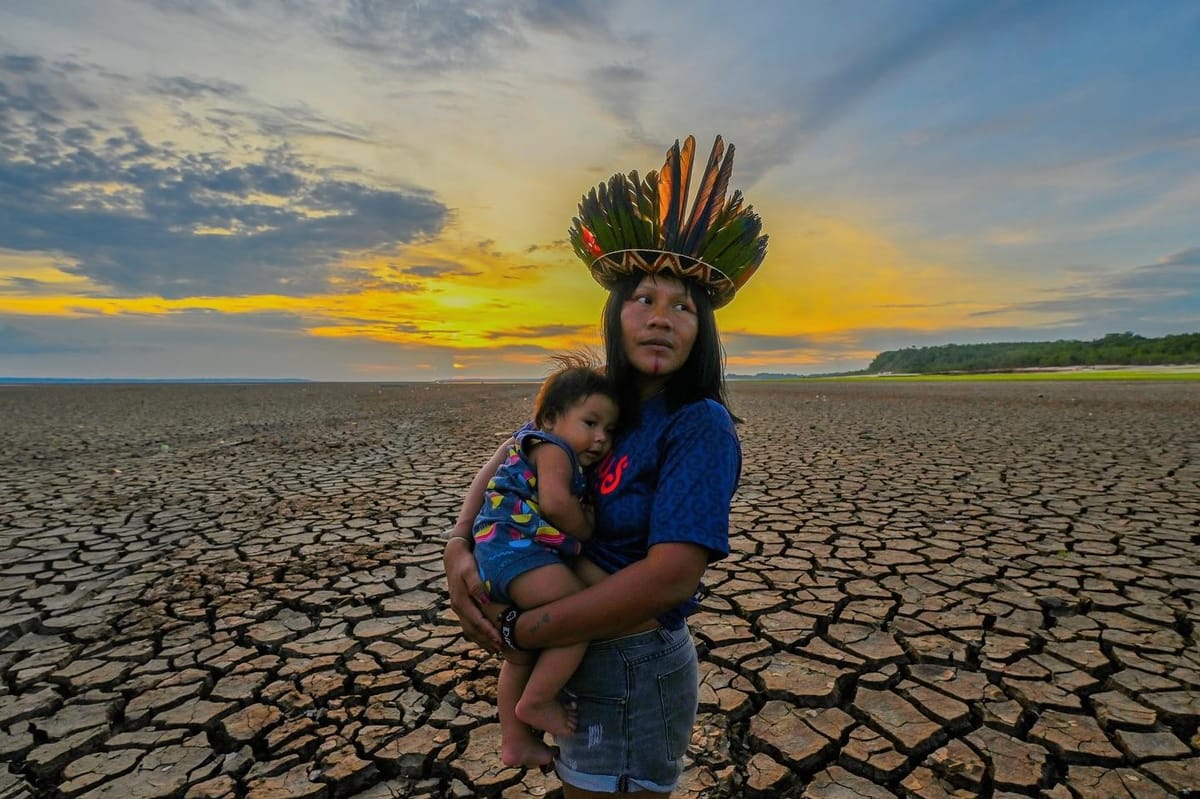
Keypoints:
pixel 1110 350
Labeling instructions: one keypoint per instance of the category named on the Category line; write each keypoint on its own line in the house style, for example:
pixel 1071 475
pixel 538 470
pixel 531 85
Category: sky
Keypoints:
pixel 360 190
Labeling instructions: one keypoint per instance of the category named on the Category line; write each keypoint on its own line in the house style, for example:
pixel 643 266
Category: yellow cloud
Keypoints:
pixel 444 294
pixel 16 267
pixel 465 296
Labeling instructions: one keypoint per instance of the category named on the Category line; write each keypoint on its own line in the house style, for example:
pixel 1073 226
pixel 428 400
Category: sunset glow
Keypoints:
pixel 311 205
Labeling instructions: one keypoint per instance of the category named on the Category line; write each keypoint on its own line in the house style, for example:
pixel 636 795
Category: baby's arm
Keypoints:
pixel 558 505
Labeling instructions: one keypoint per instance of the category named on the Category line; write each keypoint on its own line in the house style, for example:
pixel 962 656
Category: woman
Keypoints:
pixel 663 493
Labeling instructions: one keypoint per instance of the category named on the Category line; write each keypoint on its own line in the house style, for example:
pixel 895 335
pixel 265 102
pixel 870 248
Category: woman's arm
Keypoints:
pixel 666 577
pixel 688 529
pixel 458 560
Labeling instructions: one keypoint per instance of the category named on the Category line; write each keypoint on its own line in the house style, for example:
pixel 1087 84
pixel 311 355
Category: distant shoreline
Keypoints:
pixel 41 381
pixel 1105 372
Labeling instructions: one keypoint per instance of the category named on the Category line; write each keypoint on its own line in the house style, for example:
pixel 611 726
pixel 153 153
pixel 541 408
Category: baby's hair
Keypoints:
pixel 577 377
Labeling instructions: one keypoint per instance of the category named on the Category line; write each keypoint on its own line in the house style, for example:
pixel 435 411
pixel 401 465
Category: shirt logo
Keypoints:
pixel 610 473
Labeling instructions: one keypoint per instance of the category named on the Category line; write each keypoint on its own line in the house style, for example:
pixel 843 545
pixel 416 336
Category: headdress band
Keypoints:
pixel 612 266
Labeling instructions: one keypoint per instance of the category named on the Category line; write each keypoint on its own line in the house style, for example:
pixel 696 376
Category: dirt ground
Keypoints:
pixel 936 590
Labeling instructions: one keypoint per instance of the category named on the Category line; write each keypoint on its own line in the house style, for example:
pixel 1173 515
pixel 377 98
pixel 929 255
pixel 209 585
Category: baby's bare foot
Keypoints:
pixel 553 716
pixel 526 751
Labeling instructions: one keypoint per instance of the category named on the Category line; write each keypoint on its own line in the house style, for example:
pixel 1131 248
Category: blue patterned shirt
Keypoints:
pixel 669 479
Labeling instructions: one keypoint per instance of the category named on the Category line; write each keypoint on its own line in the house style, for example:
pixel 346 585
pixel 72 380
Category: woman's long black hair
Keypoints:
pixel 702 376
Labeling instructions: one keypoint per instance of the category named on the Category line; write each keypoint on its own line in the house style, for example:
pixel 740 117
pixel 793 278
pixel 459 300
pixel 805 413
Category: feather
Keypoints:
pixel 668 185
pixel 718 193
pixel 647 201
pixel 610 239
pixel 601 225
pixel 684 187
pixel 707 197
pixel 575 235
pixel 621 210
pixel 724 216
pixel 640 210
pixel 760 255
pixel 739 248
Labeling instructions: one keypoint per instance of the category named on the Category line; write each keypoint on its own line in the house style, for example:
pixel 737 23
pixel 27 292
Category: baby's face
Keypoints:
pixel 587 427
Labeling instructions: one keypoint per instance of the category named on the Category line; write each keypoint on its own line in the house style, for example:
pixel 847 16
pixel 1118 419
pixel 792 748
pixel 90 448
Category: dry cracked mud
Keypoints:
pixel 935 591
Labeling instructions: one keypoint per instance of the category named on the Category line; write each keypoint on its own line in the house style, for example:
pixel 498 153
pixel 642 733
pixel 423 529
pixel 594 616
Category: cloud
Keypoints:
pixel 619 89
pixel 583 19
pixel 290 122
pixel 413 36
pixel 540 331
pixel 185 88
pixel 438 269
pixel 429 37
pixel 754 342
pixel 142 218
pixel 22 341
pixel 1175 276
pixel 806 109
pixel 1152 299
pixel 1178 274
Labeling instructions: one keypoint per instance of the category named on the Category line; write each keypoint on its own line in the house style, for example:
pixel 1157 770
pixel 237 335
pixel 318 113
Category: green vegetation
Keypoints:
pixel 1090 375
pixel 1115 349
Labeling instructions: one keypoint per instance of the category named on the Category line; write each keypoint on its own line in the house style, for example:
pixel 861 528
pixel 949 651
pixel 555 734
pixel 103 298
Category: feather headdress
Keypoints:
pixel 629 223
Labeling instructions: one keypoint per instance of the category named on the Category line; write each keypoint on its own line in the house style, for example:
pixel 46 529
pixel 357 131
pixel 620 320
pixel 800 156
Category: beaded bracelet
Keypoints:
pixel 508 628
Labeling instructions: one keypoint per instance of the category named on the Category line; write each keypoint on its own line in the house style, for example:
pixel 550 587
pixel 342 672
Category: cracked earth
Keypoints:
pixel 935 591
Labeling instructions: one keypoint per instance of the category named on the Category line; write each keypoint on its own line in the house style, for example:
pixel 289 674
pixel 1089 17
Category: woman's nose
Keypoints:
pixel 659 315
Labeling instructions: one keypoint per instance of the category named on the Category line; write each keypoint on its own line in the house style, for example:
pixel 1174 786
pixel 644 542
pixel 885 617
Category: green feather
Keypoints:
pixel 620 210
pixel 606 238
pixel 641 211
pixel 647 198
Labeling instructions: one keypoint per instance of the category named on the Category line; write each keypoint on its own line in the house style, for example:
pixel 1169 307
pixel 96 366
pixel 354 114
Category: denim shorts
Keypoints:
pixel 500 564
pixel 637 698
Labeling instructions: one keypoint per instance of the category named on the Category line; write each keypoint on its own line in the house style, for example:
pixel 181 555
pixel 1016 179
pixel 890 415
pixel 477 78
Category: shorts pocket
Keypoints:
pixel 678 693
pixel 598 743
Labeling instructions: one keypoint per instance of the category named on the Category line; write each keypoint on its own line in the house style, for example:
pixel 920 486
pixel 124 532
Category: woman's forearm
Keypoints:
pixel 664 579
pixel 467 593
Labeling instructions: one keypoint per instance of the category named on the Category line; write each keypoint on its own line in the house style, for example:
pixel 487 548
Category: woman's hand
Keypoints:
pixel 467 595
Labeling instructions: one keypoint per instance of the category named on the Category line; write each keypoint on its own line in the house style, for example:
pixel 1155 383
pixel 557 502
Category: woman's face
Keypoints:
pixel 658 328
